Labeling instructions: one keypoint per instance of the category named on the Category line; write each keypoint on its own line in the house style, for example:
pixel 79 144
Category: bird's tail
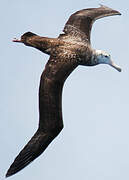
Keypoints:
pixel 32 150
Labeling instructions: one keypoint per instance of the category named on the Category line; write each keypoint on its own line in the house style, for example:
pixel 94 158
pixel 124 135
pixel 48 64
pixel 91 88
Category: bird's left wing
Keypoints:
pixel 50 119
pixel 32 150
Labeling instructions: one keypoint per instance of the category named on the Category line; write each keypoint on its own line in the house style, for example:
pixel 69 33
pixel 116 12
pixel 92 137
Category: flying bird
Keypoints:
pixel 71 49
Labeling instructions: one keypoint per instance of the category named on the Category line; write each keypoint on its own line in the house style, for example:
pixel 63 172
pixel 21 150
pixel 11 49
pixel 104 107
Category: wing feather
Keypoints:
pixel 80 23
pixel 31 151
pixel 50 121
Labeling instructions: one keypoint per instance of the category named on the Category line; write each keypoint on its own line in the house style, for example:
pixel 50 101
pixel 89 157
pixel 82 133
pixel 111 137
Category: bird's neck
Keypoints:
pixel 95 59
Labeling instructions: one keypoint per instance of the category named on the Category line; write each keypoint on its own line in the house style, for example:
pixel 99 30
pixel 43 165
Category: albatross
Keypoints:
pixel 71 49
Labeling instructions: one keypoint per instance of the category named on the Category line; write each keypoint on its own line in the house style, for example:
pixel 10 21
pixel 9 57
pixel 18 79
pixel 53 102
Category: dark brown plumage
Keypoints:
pixel 66 52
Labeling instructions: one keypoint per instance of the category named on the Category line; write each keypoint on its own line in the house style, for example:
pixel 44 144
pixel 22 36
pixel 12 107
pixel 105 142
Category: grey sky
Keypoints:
pixel 94 143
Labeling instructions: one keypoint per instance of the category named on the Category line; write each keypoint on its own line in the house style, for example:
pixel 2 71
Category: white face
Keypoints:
pixel 104 58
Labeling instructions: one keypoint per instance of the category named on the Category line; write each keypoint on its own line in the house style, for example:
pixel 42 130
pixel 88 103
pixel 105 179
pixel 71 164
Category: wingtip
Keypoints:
pixel 101 5
pixel 9 173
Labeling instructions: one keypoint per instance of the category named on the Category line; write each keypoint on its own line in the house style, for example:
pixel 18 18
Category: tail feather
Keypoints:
pixel 32 150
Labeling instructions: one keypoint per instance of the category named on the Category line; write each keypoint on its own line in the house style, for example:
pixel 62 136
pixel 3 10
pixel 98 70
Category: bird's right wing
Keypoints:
pixel 80 23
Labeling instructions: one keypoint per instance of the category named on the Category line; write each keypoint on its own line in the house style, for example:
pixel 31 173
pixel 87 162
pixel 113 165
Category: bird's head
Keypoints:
pixel 101 57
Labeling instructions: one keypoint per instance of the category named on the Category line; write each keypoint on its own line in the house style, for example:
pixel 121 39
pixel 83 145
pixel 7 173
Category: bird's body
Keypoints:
pixel 66 52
